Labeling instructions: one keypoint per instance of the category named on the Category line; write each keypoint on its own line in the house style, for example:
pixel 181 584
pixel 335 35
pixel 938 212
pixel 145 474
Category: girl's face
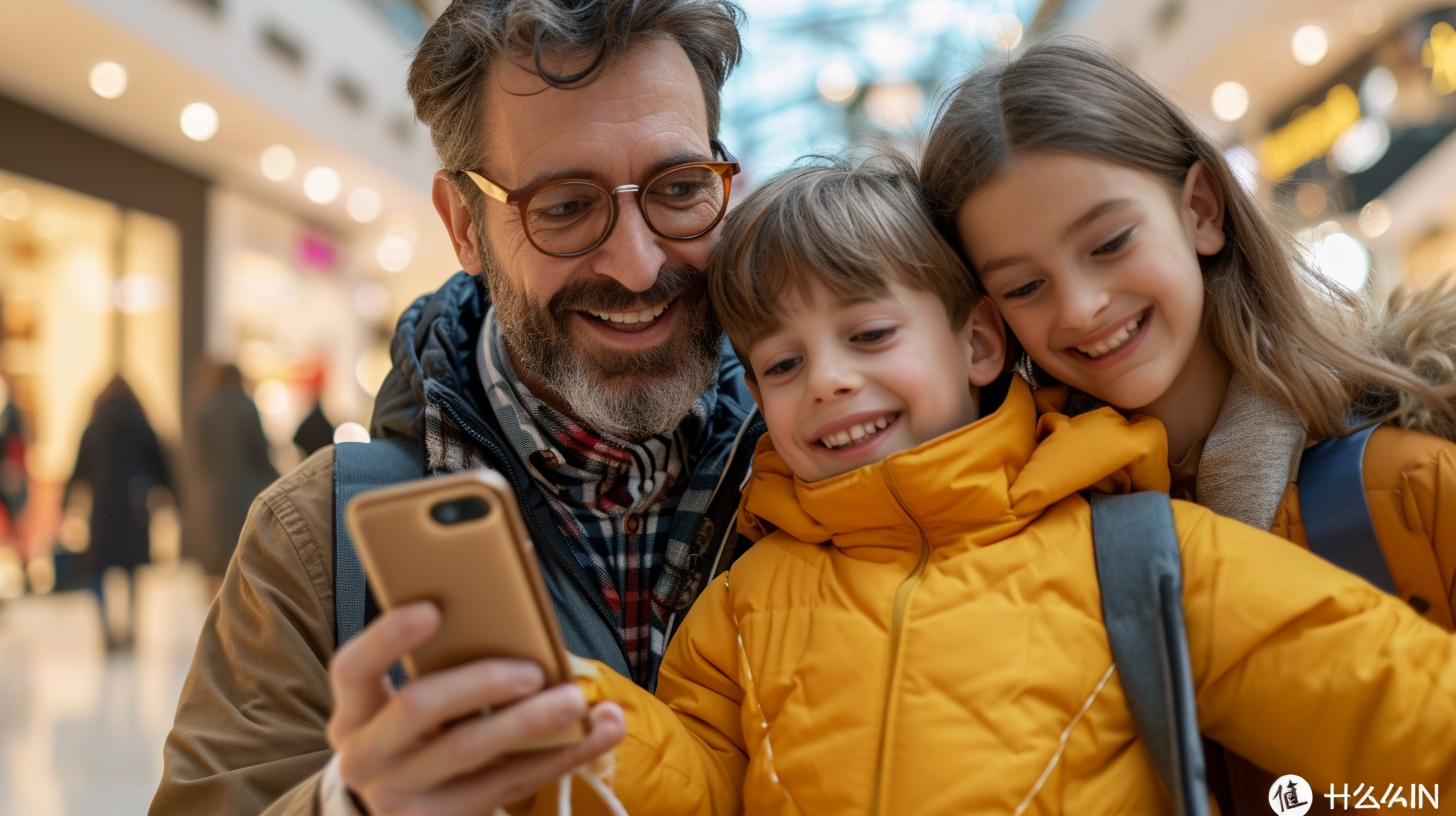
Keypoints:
pixel 1095 267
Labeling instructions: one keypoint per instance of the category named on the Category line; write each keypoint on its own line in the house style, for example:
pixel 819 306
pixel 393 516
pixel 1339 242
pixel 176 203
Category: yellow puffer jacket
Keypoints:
pixel 924 636
pixel 1410 486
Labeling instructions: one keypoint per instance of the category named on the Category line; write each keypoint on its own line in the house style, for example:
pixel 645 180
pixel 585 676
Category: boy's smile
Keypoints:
pixel 844 382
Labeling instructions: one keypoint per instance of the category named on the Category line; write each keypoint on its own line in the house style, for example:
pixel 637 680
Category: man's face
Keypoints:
pixel 619 337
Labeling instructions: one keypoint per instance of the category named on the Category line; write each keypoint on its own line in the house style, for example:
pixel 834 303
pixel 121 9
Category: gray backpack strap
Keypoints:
pixel 1336 514
pixel 358 467
pixel 1140 572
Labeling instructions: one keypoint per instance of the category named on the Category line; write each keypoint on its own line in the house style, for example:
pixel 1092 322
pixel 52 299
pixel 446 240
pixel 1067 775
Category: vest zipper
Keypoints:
pixel 898 612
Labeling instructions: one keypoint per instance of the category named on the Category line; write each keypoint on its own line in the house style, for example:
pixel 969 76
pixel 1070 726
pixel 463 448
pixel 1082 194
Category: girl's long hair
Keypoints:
pixel 1298 338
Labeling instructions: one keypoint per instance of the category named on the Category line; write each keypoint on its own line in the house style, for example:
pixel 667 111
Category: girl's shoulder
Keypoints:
pixel 1394 454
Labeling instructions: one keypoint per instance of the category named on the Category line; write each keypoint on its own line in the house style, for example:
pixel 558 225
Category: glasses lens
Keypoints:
pixel 684 202
pixel 568 217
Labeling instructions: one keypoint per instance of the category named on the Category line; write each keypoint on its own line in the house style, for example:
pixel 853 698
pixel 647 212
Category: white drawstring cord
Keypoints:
pixel 604 793
pixel 1062 744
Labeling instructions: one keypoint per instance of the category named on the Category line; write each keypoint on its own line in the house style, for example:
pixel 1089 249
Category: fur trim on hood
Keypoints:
pixel 1416 329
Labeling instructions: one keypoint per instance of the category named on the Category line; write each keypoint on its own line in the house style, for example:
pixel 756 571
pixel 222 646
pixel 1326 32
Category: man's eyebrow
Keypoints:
pixel 687 156
pixel 1101 209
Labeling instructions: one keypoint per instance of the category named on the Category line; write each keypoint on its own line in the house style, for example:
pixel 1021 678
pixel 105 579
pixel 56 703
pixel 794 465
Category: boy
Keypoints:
pixel 918 629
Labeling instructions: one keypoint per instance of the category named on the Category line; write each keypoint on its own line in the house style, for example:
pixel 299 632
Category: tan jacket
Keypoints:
pixel 241 743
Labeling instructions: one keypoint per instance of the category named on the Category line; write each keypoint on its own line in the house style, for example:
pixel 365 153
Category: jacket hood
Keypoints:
pixel 434 341
pixel 985 481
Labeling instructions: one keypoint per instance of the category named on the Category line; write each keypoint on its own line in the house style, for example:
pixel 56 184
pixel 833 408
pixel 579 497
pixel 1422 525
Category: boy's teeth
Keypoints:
pixel 857 433
pixel 1114 342
pixel 628 318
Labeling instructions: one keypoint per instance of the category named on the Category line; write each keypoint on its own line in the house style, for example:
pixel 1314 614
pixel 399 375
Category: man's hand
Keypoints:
pixel 396 752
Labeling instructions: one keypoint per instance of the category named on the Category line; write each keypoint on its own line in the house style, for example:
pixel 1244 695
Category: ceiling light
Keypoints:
pixel 108 80
pixel 1342 259
pixel 321 185
pixel 837 81
pixel 278 163
pixel 199 121
pixel 364 205
pixel 394 254
pixel 1230 101
pixel 1310 44
pixel 14 204
pixel 1005 30
pixel 1245 166
pixel 1376 218
pixel 1369 17
pixel 894 106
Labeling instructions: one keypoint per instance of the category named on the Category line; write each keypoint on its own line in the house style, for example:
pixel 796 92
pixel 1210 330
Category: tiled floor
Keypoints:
pixel 81 730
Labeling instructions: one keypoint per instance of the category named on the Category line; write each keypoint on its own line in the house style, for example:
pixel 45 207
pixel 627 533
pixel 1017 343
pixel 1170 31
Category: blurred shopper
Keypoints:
pixel 121 465
pixel 1134 268
pixel 230 467
pixel 14 483
pixel 587 369
pixel 314 432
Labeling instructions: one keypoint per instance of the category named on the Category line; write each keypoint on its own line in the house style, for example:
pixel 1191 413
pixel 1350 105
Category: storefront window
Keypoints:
pixel 87 291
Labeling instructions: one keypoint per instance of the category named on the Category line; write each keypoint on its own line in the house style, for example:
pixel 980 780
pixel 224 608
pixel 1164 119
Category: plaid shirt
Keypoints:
pixel 619 501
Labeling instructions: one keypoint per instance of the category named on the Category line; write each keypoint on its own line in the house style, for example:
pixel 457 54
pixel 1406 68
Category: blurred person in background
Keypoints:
pixel 581 185
pixel 14 481
pixel 230 467
pixel 315 431
pixel 121 467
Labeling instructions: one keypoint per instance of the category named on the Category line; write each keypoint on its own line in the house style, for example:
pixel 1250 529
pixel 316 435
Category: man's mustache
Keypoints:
pixel 603 294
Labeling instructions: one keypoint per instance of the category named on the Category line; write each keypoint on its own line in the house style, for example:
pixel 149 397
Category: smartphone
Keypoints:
pixel 459 541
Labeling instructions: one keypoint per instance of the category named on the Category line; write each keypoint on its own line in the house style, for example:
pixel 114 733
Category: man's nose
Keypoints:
pixel 632 255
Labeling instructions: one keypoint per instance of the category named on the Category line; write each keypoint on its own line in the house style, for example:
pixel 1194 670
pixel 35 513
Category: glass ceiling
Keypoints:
pixel 821 74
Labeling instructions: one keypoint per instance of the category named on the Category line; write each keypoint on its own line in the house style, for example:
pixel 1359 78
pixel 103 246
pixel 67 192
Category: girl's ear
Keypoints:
pixel 1203 207
pixel 753 389
pixel 985 333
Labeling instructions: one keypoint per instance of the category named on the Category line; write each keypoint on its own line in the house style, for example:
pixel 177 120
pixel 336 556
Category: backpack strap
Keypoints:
pixel 361 466
pixel 1334 509
pixel 1140 572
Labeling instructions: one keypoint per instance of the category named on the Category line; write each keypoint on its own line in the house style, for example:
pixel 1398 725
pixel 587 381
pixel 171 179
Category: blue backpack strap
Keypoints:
pixel 1140 572
pixel 359 467
pixel 1335 512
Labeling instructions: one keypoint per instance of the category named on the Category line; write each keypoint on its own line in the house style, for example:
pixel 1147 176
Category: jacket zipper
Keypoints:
pixel 898 612
pixel 592 597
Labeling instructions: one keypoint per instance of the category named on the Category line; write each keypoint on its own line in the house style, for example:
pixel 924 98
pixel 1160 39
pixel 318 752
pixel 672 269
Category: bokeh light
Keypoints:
pixel 199 121
pixel 108 80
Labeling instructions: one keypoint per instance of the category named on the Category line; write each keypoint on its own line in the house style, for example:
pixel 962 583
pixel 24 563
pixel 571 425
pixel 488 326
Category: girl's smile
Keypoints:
pixel 1095 267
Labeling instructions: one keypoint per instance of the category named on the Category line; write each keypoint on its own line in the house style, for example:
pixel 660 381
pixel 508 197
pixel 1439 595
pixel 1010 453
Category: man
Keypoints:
pixel 581 186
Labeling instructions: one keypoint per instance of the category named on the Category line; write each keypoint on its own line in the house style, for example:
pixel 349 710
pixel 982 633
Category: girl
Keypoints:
pixel 1133 268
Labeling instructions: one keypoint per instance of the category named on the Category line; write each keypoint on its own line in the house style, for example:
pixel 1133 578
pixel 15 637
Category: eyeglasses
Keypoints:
pixel 569 217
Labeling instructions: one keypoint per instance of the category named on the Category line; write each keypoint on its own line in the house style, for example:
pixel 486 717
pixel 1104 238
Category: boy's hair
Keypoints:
pixel 1295 336
pixel 854 227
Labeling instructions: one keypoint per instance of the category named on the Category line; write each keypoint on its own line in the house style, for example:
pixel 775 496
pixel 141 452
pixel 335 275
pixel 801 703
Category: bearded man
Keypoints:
pixel 576 355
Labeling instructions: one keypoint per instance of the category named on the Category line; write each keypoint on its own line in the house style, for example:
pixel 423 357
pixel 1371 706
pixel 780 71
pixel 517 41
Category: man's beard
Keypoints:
pixel 630 396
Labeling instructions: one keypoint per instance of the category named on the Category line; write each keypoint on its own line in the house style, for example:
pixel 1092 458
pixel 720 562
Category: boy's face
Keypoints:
pixel 843 383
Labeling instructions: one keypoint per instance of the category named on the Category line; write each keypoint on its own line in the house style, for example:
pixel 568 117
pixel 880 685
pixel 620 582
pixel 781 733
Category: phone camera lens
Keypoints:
pixel 459 510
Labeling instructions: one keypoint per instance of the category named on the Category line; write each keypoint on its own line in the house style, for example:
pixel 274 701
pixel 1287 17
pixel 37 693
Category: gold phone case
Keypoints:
pixel 480 571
